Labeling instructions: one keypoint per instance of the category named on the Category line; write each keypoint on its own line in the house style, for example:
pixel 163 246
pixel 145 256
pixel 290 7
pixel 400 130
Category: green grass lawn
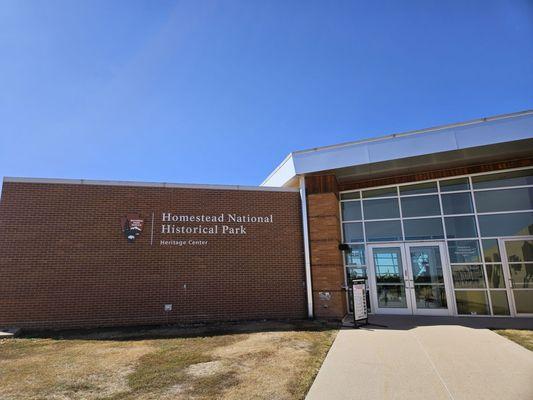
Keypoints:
pixel 268 360
pixel 523 337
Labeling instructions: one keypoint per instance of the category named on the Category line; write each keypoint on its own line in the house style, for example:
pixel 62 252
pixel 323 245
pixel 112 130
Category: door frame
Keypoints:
pixel 446 274
pixel 411 308
pixel 373 285
pixel 507 274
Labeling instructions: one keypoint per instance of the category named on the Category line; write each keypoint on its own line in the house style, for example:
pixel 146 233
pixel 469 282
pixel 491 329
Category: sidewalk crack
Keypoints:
pixel 433 366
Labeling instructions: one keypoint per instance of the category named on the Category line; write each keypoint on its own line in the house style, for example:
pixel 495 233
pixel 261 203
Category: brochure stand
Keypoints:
pixel 360 312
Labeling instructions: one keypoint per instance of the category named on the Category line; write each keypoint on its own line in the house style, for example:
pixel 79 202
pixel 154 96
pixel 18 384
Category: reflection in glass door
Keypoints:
pixel 427 279
pixel 389 279
pixel 409 279
pixel 519 260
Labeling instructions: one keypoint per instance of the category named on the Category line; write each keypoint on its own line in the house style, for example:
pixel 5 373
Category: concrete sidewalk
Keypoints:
pixel 435 359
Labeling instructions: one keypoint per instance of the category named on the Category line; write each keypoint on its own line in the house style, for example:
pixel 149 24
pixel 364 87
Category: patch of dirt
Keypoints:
pixel 260 341
pixel 205 369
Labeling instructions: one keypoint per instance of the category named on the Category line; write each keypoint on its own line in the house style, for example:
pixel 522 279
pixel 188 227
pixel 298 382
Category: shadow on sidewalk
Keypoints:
pixel 406 322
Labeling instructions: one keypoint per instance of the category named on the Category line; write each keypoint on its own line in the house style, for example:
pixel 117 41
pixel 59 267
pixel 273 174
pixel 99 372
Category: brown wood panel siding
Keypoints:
pixel 436 174
pixel 327 268
pixel 321 184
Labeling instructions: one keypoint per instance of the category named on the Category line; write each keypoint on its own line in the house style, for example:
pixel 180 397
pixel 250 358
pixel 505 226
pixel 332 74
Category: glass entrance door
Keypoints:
pixel 388 278
pixel 409 279
pixel 428 279
pixel 518 257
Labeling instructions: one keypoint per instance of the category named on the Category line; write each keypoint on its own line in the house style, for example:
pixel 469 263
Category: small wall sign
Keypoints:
pixel 324 296
pixel 132 226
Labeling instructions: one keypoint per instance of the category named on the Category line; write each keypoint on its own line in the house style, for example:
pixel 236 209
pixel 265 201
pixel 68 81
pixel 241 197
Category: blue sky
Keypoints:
pixel 220 91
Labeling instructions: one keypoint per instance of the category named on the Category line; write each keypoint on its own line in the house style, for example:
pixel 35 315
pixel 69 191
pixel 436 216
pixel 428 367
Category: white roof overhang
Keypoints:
pixel 467 139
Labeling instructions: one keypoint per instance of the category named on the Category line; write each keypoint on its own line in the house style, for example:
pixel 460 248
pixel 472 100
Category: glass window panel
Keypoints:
pixel 427 228
pixel 464 251
pixel 522 275
pixel 353 232
pixel 356 255
pixel 516 224
pixel 381 209
pixel 514 178
pixel 472 302
pixel 356 273
pixel 430 296
pixel 350 195
pixel 519 250
pixel 495 276
pixel 457 203
pixel 500 305
pixel 504 200
pixel 383 192
pixel 388 264
pixel 420 206
pixel 419 188
pixel 383 231
pixel 451 185
pixel 523 300
pixel 426 265
pixel 460 227
pixel 468 276
pixel 351 210
pixel 491 250
pixel 391 296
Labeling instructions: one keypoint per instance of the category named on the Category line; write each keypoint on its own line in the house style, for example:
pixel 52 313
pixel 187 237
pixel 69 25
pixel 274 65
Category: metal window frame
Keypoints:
pixel 475 214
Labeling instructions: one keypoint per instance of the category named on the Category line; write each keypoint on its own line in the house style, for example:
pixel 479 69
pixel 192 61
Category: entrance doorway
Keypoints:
pixel 410 278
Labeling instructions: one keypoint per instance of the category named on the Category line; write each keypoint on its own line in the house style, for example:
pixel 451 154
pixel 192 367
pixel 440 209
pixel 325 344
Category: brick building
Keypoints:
pixel 436 222
pixel 70 259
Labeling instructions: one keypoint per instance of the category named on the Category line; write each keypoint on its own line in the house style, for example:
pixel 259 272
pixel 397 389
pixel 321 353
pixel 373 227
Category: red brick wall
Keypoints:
pixel 64 261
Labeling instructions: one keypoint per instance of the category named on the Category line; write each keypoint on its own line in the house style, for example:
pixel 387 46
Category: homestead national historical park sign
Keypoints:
pixel 176 226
